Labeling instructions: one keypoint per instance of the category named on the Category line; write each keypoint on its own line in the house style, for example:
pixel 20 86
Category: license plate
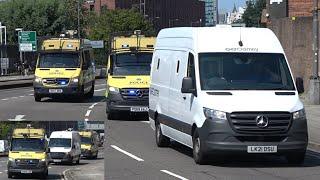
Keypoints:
pixel 262 149
pixel 26 171
pixel 55 90
pixel 56 160
pixel 139 109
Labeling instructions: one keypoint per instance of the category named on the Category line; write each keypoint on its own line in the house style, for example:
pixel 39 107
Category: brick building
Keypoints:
pixel 162 13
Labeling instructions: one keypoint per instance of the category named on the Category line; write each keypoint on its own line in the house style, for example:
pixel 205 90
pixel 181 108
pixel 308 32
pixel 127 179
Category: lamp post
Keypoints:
pixel 314 89
pixel 172 20
pixel 20 52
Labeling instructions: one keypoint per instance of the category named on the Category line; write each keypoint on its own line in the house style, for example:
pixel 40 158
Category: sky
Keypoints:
pixel 227 5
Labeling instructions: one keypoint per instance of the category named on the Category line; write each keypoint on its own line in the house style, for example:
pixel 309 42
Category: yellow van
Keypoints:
pixel 129 74
pixel 65 67
pixel 89 144
pixel 28 152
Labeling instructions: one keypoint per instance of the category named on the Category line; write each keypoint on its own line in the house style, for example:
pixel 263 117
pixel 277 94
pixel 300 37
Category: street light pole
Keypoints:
pixel 314 90
pixel 79 19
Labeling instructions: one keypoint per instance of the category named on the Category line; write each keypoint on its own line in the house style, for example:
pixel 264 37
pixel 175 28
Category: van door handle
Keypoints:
pixel 184 97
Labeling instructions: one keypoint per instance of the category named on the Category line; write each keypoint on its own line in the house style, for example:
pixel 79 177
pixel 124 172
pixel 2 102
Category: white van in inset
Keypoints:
pixel 226 90
pixel 65 146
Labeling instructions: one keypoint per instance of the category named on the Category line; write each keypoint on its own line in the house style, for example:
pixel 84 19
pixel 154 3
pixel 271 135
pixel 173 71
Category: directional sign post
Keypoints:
pixel 27 41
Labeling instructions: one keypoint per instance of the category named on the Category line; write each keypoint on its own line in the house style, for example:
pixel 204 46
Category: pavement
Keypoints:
pixel 131 153
pixel 15 78
pixel 19 104
pixel 56 171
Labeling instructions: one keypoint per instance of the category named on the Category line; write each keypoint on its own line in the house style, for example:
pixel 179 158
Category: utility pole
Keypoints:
pixel 79 19
pixel 314 92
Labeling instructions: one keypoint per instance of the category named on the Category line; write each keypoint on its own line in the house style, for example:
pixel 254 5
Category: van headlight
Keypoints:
pixel 75 80
pixel 11 159
pixel 38 79
pixel 299 114
pixel 43 160
pixel 214 114
pixel 113 89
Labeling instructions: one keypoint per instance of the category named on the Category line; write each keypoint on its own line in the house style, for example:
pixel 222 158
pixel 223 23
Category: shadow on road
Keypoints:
pixel 123 116
pixel 50 176
pixel 73 100
pixel 312 159
pixel 68 164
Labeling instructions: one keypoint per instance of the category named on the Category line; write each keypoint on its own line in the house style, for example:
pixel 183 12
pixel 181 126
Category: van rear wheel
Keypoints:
pixel 37 97
pixel 10 175
pixel 161 140
pixel 90 94
pixel 198 154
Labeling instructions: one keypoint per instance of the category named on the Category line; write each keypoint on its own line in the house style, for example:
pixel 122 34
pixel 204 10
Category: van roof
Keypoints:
pixel 63 134
pixel 217 39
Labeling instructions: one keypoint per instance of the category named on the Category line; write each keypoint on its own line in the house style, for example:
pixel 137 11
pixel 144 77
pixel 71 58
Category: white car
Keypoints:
pixel 65 146
pixel 221 90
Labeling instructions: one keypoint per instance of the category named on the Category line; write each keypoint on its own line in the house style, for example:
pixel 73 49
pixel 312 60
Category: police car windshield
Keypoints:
pixel 28 144
pixel 59 142
pixel 132 64
pixel 85 140
pixel 244 71
pixel 59 60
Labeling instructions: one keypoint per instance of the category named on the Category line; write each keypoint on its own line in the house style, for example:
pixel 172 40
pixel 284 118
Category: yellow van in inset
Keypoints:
pixel 65 67
pixel 89 144
pixel 28 152
pixel 129 74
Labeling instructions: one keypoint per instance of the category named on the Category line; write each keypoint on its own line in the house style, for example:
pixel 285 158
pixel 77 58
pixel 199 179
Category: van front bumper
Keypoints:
pixel 86 153
pixel 219 137
pixel 40 168
pixel 71 89
pixel 115 102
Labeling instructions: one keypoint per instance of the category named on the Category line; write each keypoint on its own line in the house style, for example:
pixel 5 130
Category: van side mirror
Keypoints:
pixel 187 85
pixel 299 84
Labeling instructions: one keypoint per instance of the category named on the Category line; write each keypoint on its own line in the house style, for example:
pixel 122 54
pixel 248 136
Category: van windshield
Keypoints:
pixel 85 140
pixel 59 142
pixel 244 71
pixel 28 144
pixel 131 64
pixel 59 60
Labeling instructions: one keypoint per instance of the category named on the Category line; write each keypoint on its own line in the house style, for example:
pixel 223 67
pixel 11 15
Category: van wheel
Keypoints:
pixel 198 154
pixel 10 175
pixel 96 156
pixel 90 94
pixel 37 97
pixel 161 140
pixel 112 115
pixel 296 158
pixel 44 174
pixel 78 161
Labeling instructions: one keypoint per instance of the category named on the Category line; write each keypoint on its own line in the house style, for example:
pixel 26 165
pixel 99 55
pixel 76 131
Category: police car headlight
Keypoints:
pixel 38 79
pixel 75 80
pixel 214 114
pixel 299 114
pixel 113 89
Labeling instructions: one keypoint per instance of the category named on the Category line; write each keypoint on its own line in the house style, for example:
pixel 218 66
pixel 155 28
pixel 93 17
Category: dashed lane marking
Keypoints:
pixel 126 153
pixel 92 106
pixel 30 94
pixel 98 90
pixel 88 113
pixel 21 96
pixel 5 99
pixel 173 174
pixel 147 122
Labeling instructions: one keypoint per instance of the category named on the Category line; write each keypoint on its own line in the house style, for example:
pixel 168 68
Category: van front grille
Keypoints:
pixel 135 94
pixel 56 81
pixel 246 123
pixel 57 155
pixel 27 162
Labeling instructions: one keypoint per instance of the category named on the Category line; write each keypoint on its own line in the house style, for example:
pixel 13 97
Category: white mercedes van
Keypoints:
pixel 226 90
pixel 65 146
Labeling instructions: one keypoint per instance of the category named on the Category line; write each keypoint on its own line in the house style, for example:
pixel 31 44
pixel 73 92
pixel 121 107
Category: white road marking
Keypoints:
pixel 100 90
pixel 31 90
pixel 30 94
pixel 174 175
pixel 86 119
pixel 14 98
pixel 5 99
pixel 21 96
pixel 88 113
pixel 18 118
pixel 126 153
pixel 6 170
pixel 92 106
pixel 1 172
pixel 100 84
pixel 147 122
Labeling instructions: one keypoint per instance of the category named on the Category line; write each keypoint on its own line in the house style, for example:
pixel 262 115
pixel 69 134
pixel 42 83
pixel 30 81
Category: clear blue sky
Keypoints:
pixel 227 5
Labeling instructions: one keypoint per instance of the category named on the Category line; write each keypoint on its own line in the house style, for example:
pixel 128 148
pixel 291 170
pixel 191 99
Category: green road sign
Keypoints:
pixel 27 41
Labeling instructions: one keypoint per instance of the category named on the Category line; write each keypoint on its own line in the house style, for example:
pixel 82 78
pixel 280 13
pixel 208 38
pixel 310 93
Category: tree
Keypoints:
pixel 112 21
pixel 252 15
